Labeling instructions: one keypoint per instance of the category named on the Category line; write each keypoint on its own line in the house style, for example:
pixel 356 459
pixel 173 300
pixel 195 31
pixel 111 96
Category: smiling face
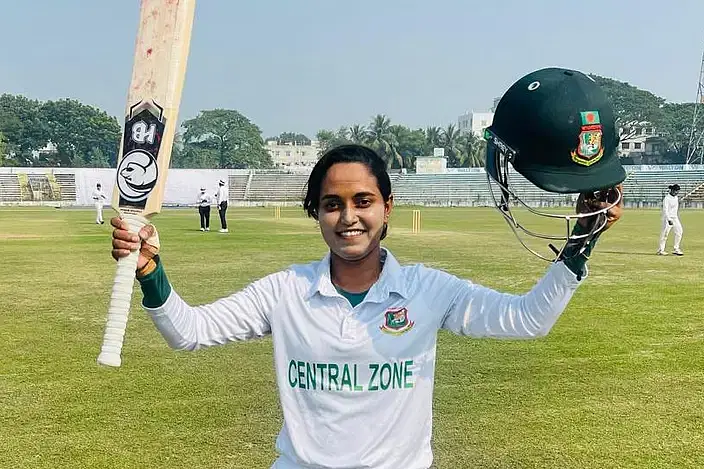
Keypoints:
pixel 352 211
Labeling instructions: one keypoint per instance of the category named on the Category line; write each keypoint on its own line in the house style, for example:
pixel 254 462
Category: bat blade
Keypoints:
pixel 153 101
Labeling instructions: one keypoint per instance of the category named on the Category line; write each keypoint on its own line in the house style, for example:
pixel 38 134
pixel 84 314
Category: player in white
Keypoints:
pixel 671 220
pixel 99 199
pixel 354 334
pixel 221 197
pixel 204 201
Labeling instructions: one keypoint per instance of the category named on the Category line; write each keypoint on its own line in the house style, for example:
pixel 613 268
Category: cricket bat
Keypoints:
pixel 153 101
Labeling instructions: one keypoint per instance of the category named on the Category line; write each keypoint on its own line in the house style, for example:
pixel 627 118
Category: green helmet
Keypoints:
pixel 556 128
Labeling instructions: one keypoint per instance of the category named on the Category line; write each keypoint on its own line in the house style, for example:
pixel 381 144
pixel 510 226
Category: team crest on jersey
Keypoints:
pixel 396 321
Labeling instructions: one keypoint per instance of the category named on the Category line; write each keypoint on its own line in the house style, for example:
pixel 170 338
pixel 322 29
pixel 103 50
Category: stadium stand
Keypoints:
pixel 41 189
pixel 468 188
pixel 237 186
pixel 9 188
pixel 644 187
pixel 441 189
pixel 276 187
pixel 649 187
pixel 696 195
pixel 67 186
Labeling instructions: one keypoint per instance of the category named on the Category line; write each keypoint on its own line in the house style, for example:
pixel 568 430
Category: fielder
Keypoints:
pixel 355 333
pixel 99 199
pixel 221 197
pixel 671 220
pixel 204 201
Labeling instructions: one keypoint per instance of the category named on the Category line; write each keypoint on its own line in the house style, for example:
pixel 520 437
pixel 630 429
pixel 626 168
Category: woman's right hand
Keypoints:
pixel 124 242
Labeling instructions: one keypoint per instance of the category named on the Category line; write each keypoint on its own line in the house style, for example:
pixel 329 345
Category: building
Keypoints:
pixel 48 149
pixel 291 155
pixel 475 122
pixel 436 164
pixel 640 143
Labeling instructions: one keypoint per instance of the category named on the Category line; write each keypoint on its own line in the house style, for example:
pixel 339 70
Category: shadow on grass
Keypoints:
pixel 635 253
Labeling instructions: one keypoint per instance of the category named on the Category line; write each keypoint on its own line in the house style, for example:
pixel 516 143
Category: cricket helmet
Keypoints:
pixel 556 128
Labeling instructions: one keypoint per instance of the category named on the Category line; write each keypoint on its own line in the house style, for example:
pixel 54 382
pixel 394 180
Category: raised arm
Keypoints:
pixel 477 311
pixel 241 316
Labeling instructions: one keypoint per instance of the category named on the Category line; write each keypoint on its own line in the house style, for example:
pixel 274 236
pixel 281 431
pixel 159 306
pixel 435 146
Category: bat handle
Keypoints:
pixel 120 300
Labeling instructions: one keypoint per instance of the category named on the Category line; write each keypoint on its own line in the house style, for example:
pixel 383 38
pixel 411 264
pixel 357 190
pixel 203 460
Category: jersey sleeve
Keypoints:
pixel 241 316
pixel 477 311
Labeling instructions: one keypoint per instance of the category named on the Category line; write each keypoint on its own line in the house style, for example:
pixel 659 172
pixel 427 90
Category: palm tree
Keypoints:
pixel 397 137
pixel 342 134
pixel 473 150
pixel 383 140
pixel 432 138
pixel 450 139
pixel 358 133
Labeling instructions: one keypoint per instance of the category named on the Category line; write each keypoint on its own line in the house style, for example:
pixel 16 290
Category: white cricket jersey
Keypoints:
pixel 98 196
pixel 221 195
pixel 670 207
pixel 204 199
pixel 356 384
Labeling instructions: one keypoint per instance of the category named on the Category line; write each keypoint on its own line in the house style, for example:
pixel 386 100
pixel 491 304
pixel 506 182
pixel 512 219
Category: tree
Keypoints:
pixel 342 134
pixel 78 132
pixel 3 149
pixel 631 105
pixel 328 139
pixel 450 139
pixel 193 156
pixel 473 150
pixel 676 128
pixel 358 134
pixel 234 139
pixel 97 159
pixel 409 144
pixel 290 138
pixel 432 139
pixel 23 126
pixel 383 140
pixel 325 140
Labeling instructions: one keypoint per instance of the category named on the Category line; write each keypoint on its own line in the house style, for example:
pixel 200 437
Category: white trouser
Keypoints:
pixel 666 227
pixel 98 212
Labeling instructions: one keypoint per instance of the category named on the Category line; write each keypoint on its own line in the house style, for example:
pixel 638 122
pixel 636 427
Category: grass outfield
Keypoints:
pixel 618 383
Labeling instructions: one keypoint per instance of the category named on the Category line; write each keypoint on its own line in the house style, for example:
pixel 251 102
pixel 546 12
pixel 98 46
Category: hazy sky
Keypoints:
pixel 302 65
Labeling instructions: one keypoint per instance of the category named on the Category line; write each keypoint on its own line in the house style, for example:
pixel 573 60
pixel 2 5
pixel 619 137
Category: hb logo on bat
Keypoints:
pixel 137 172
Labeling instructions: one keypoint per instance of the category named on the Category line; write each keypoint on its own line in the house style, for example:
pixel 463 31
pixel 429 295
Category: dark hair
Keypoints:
pixel 348 153
pixel 674 187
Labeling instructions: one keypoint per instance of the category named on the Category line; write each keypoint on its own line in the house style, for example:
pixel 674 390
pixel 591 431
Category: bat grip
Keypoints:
pixel 119 309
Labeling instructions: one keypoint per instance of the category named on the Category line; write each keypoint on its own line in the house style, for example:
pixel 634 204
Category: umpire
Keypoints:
pixel 204 202
pixel 221 197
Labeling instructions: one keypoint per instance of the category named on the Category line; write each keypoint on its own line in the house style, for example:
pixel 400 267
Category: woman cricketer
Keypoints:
pixel 354 334
pixel 670 220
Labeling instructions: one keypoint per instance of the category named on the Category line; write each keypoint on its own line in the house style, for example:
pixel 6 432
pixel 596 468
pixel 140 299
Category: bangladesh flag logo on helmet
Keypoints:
pixel 590 148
